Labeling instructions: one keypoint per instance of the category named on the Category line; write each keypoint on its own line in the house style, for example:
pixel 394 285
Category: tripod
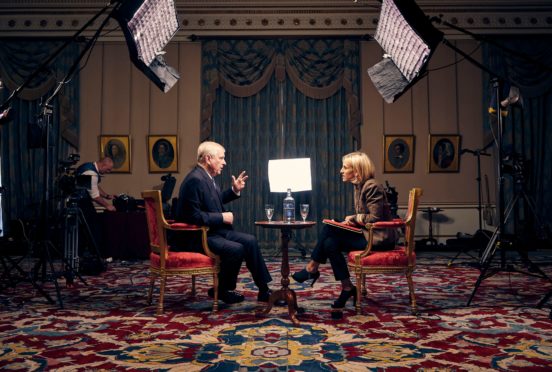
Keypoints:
pixel 480 233
pixel 494 243
pixel 74 220
pixel 497 239
pixel 44 246
pixel 10 264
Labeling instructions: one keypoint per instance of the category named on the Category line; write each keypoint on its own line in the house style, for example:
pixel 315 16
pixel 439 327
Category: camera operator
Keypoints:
pixel 96 193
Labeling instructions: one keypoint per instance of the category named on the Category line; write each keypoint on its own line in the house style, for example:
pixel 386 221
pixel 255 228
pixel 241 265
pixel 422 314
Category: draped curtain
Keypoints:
pixel 526 62
pixel 271 99
pixel 23 156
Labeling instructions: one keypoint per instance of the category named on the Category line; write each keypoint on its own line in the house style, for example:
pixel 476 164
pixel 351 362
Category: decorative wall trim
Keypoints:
pixel 205 18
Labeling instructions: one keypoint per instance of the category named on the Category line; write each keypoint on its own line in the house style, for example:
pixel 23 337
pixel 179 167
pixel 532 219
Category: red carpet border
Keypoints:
pixel 107 325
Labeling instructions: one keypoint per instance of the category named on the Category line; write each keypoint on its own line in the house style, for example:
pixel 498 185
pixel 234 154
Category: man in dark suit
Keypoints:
pixel 201 202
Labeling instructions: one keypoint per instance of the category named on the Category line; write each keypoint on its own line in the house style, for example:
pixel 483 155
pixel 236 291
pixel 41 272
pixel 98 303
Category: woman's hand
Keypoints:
pixel 350 220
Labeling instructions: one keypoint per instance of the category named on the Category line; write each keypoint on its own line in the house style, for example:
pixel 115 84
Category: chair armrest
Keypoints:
pixel 396 223
pixel 380 225
pixel 182 226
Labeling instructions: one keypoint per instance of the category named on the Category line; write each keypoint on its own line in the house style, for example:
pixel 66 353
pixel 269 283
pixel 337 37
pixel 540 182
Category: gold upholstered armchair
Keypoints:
pixel 164 263
pixel 400 260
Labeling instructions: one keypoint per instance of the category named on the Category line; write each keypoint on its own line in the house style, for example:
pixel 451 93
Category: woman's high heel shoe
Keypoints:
pixel 344 296
pixel 303 275
pixel 339 304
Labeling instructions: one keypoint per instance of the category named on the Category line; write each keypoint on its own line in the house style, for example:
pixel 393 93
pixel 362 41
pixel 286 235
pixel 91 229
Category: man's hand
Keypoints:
pixel 228 218
pixel 238 184
pixel 111 208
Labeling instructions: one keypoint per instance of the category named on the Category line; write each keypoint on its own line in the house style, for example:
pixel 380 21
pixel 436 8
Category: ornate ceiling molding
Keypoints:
pixel 266 18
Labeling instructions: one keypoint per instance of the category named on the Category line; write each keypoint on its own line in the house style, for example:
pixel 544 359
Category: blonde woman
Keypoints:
pixel 370 206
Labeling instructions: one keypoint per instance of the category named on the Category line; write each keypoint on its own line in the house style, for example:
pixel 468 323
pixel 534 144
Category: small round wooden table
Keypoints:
pixel 285 293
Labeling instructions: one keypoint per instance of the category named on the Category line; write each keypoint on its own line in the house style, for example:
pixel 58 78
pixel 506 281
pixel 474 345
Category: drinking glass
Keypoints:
pixel 269 211
pixel 304 211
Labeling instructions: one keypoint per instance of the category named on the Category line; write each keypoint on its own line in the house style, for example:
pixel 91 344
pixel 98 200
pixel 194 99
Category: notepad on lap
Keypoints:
pixel 343 226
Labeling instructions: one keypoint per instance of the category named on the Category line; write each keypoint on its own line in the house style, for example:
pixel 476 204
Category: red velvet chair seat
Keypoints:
pixel 186 260
pixel 395 257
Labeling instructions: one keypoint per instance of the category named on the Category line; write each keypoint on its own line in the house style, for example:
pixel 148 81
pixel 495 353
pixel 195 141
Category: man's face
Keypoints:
pixel 105 168
pixel 216 162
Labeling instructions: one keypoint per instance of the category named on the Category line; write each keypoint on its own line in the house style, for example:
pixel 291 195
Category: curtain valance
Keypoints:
pixel 19 59
pixel 526 62
pixel 318 68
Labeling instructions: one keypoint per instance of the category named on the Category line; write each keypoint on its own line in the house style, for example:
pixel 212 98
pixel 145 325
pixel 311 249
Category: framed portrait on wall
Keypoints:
pixel 444 153
pixel 398 154
pixel 118 149
pixel 163 154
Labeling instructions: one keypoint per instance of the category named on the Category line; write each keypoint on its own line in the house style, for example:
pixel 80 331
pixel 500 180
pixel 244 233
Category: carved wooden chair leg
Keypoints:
pixel 161 294
pixel 412 294
pixel 215 289
pixel 150 291
pixel 359 285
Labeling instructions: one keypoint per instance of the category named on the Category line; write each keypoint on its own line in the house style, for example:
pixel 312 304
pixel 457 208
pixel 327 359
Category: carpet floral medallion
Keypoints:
pixel 106 325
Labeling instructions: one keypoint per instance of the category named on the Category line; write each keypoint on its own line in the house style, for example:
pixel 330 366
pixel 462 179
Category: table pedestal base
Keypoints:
pixel 288 296
pixel 285 293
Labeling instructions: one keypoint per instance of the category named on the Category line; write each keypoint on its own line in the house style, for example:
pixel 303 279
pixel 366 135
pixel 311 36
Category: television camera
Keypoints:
pixel 71 184
pixel 75 188
pixel 516 166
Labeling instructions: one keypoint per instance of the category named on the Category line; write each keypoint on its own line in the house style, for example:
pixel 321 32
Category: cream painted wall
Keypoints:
pixel 446 101
pixel 116 98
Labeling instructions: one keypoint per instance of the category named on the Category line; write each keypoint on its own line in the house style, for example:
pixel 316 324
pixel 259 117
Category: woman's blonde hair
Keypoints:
pixel 361 164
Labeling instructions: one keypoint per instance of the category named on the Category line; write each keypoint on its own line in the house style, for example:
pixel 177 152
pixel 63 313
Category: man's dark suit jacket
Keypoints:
pixel 200 203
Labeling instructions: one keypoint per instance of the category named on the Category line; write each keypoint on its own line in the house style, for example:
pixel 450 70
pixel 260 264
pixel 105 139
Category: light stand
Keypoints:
pixel 148 25
pixel 140 14
pixel 408 38
pixel 497 239
pixel 45 246
pixel 478 153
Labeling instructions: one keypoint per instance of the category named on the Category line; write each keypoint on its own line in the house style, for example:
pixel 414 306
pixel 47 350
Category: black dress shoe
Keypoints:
pixel 228 297
pixel 231 297
pixel 264 296
pixel 303 275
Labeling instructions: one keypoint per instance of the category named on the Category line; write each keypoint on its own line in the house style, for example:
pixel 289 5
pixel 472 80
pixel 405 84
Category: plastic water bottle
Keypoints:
pixel 289 208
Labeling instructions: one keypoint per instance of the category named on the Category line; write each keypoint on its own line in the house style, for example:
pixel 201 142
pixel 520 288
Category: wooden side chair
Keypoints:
pixel 164 263
pixel 400 260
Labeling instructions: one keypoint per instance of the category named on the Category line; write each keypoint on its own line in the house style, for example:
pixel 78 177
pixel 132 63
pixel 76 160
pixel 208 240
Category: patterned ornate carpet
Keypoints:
pixel 107 325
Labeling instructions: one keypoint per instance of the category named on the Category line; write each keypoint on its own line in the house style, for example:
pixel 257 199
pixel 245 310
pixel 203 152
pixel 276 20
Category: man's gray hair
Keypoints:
pixel 208 148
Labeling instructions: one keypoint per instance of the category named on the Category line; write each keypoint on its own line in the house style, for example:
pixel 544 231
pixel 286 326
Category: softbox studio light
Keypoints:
pixel 148 27
pixel 408 39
